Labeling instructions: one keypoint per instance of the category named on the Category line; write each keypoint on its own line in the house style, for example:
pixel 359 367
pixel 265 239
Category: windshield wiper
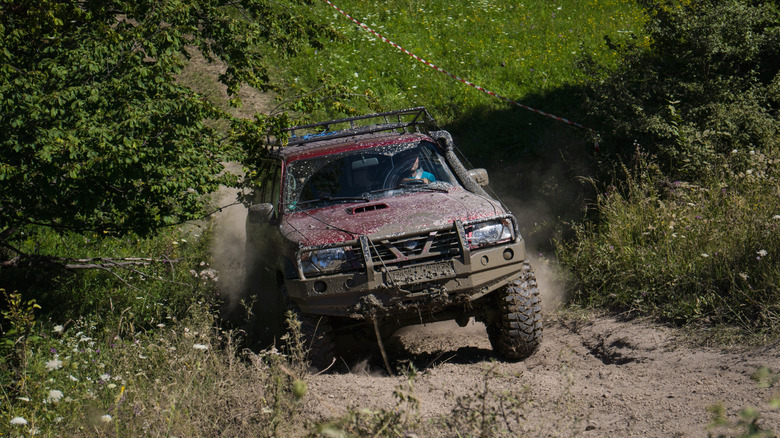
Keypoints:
pixel 333 198
pixel 413 187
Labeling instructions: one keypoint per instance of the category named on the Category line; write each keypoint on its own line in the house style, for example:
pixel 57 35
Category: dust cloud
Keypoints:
pixel 227 250
pixel 543 201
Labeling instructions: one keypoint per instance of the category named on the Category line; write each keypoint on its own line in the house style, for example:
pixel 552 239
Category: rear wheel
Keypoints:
pixel 515 330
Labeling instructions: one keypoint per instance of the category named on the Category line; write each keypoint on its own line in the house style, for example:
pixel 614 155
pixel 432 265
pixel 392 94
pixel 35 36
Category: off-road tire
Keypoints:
pixel 515 330
pixel 318 338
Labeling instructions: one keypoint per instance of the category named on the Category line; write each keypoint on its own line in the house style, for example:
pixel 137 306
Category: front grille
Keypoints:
pixel 431 246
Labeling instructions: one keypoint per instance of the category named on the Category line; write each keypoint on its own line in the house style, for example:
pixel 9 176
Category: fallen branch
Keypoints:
pixel 27 261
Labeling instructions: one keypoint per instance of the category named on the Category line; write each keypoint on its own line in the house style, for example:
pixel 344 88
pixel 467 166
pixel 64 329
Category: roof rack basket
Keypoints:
pixel 406 120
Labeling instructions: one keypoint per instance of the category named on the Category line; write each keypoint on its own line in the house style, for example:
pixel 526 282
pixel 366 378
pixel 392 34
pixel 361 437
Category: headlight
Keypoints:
pixel 329 260
pixel 489 233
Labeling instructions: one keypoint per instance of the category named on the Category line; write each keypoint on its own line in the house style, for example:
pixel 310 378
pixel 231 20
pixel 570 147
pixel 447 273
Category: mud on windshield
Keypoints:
pixel 364 175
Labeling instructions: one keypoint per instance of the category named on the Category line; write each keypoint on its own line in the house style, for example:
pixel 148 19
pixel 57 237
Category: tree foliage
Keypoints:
pixel 95 131
pixel 703 83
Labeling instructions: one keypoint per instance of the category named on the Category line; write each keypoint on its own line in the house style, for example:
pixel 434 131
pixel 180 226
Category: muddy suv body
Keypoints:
pixel 373 222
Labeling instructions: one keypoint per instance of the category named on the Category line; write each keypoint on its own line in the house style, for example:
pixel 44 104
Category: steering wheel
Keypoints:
pixel 397 174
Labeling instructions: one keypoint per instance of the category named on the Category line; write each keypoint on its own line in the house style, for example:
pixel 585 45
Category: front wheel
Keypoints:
pixel 515 330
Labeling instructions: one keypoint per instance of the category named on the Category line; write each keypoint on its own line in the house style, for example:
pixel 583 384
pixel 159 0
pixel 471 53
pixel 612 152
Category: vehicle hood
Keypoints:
pixel 407 213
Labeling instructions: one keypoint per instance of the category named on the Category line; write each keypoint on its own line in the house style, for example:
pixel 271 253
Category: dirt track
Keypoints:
pixel 600 377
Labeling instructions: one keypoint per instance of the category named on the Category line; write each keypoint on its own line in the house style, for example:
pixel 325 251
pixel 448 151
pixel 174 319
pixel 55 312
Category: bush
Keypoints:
pixel 685 252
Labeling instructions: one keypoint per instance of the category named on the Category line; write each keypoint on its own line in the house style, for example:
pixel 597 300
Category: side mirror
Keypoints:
pixel 260 213
pixel 480 176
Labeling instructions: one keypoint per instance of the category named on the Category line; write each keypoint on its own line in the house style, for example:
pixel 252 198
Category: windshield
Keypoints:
pixel 365 174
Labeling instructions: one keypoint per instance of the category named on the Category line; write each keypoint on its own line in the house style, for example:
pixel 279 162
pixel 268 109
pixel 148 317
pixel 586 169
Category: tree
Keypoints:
pixel 95 132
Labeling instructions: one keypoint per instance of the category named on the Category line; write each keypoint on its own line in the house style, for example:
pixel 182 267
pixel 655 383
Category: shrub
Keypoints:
pixel 685 252
pixel 704 83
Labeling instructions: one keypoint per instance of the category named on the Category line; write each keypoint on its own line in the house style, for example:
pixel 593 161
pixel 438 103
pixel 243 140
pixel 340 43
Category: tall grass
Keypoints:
pixel 136 351
pixel 689 253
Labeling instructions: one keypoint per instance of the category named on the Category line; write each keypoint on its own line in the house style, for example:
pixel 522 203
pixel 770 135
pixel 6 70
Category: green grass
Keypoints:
pixel 514 49
pixel 133 351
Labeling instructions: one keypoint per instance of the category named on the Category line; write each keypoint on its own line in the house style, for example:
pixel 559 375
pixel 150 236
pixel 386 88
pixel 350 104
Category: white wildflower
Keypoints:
pixel 106 418
pixel 18 421
pixel 55 395
pixel 776 217
pixel 53 364
pixel 209 274
pixel 200 347
pixel 705 255
pixel 105 377
pixel 58 329
pixel 761 253
pixel 23 399
pixel 70 376
pixel 743 275
pixel 111 386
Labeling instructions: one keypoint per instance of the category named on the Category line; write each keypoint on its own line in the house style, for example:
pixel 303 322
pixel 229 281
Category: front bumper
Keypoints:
pixel 410 289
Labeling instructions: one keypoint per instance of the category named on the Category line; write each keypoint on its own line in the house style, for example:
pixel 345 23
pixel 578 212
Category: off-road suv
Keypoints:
pixel 373 222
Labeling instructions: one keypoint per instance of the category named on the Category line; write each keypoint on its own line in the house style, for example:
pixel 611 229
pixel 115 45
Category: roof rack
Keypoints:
pixel 403 121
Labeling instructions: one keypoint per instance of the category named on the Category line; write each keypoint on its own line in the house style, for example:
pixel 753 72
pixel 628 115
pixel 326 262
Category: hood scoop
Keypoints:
pixel 366 208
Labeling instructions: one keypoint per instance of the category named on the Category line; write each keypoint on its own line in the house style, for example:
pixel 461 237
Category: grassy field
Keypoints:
pixel 514 49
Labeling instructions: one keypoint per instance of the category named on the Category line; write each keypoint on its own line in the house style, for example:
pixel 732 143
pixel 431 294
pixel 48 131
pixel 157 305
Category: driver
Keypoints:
pixel 417 173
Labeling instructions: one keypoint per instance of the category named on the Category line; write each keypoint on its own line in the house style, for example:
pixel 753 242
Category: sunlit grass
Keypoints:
pixel 514 49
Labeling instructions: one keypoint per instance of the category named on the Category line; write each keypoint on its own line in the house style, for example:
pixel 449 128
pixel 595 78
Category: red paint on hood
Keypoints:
pixel 406 213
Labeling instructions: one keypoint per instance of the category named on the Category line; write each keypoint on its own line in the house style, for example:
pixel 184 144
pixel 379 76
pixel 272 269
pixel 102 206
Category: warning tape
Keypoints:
pixel 460 79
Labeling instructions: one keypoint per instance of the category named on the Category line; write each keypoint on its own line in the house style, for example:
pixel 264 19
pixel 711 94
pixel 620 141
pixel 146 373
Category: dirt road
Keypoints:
pixel 596 377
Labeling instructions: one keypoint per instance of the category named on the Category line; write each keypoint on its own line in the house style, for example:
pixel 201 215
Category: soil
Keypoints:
pixel 599 376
